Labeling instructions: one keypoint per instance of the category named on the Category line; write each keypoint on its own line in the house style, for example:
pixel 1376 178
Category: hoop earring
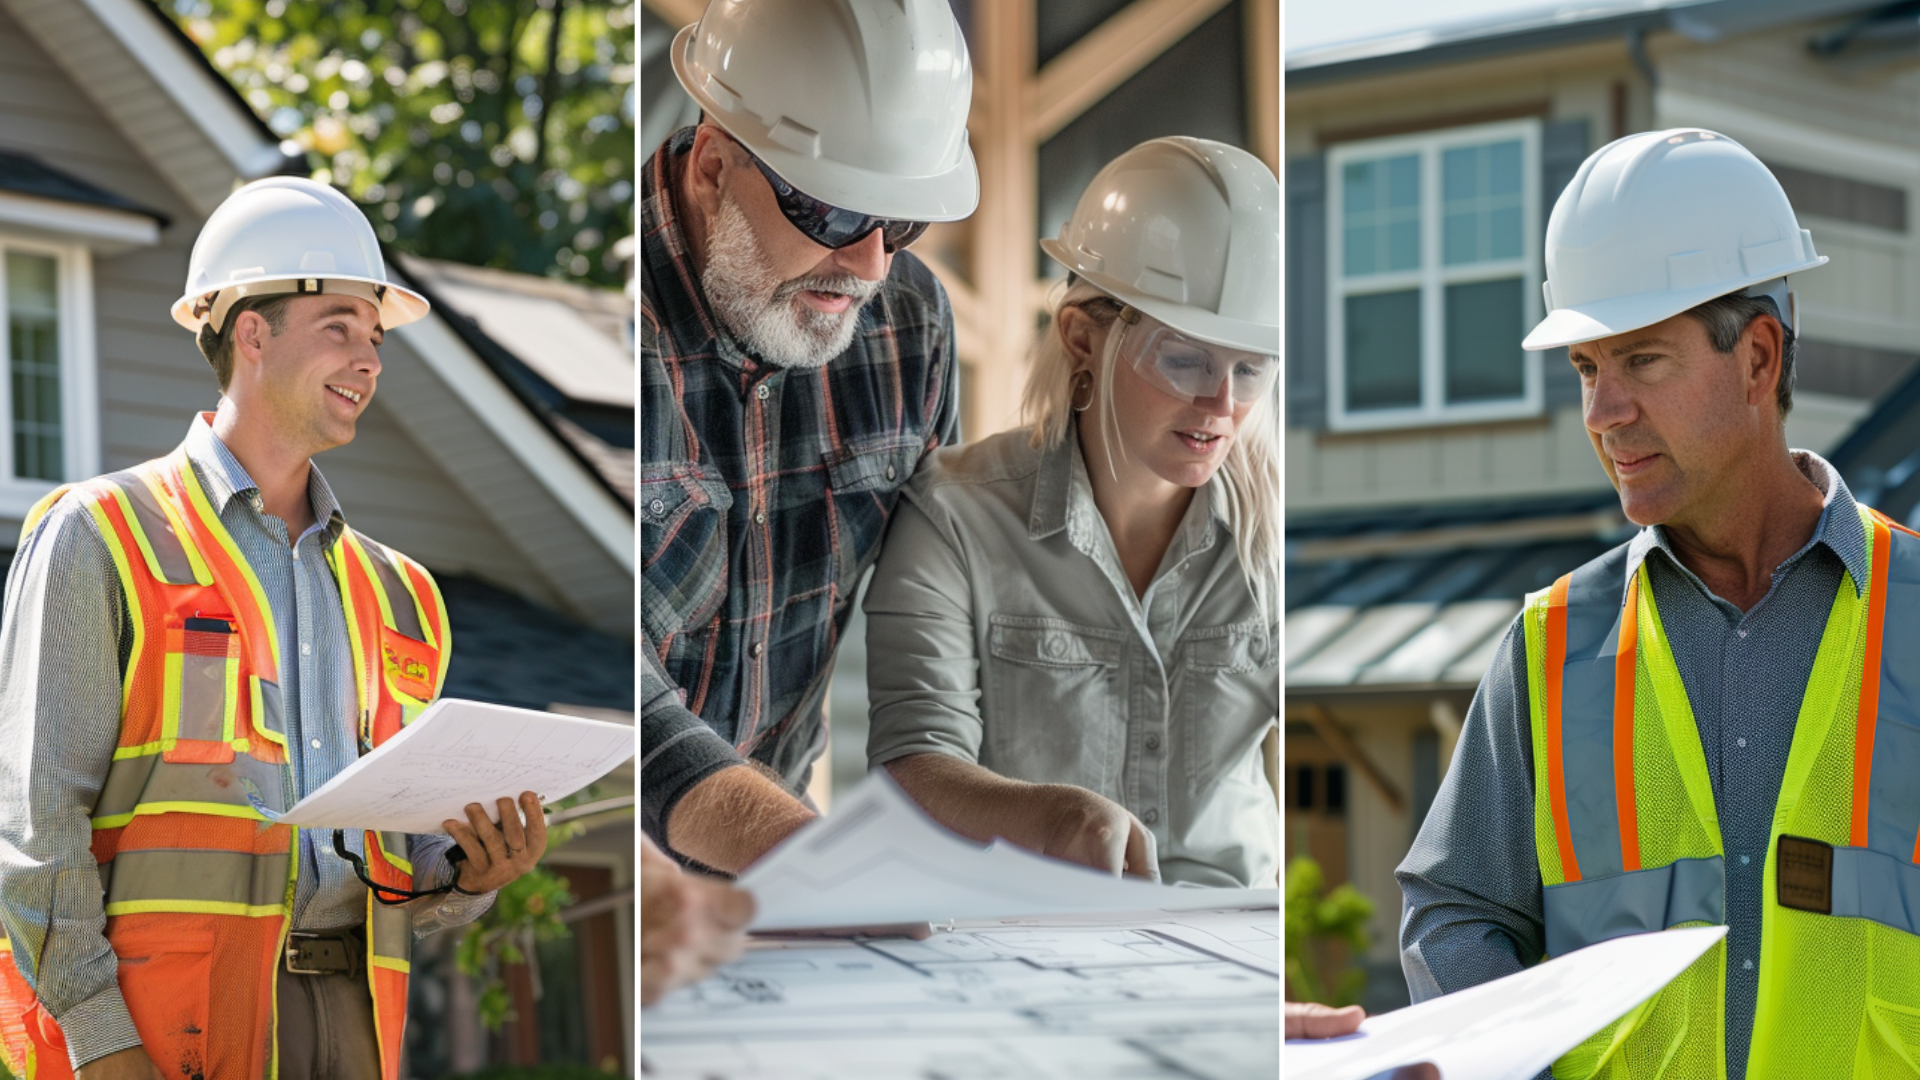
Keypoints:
pixel 1082 381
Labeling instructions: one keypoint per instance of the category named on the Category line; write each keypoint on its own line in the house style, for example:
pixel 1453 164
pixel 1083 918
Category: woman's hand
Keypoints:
pixel 1077 825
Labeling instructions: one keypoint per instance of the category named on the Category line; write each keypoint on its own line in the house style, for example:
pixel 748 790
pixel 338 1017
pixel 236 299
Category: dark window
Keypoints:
pixel 1337 790
pixel 1303 788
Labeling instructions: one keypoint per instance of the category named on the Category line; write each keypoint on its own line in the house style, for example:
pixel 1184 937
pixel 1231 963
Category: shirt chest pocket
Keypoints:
pixel 1228 684
pixel 683 547
pixel 863 483
pixel 1055 709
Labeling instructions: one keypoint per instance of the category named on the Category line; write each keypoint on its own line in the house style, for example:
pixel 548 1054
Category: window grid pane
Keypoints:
pixel 1383 350
pixel 1485 321
pixel 1480 196
pixel 33 339
pixel 1380 204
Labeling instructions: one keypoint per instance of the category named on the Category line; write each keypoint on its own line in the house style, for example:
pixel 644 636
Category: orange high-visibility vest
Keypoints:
pixel 198 884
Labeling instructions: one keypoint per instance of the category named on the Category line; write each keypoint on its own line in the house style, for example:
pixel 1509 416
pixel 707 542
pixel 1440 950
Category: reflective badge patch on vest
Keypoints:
pixel 1805 880
pixel 407 671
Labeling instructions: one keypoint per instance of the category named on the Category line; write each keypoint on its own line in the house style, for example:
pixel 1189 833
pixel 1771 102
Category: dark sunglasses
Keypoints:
pixel 830 226
pixel 387 894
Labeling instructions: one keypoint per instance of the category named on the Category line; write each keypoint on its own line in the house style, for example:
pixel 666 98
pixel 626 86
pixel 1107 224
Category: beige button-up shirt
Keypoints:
pixel 1002 629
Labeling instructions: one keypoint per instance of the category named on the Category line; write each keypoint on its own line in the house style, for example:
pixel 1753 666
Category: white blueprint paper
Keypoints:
pixel 1511 1028
pixel 1190 996
pixel 459 752
pixel 878 860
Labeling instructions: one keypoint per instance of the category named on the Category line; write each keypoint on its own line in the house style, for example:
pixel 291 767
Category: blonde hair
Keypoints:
pixel 1249 480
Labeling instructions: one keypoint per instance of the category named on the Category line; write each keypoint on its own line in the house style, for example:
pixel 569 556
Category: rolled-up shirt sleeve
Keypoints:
pixel 432 869
pixel 1471 882
pixel 61 658
pixel 922 669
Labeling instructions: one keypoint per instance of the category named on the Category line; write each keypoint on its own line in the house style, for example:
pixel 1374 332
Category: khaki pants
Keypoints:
pixel 326 1027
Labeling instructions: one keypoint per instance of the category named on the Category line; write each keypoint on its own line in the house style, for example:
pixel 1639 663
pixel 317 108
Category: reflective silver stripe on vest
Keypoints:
pixel 1589 911
pixel 168 551
pixel 391 932
pixel 1877 886
pixel 148 779
pixel 1893 800
pixel 406 617
pixel 273 708
pixel 196 876
pixel 1594 598
pixel 204 684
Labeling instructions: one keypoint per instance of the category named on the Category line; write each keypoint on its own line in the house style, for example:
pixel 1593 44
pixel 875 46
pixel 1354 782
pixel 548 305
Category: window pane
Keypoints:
pixel 1383 350
pixel 33 338
pixel 1484 328
pixel 1380 207
pixel 1480 200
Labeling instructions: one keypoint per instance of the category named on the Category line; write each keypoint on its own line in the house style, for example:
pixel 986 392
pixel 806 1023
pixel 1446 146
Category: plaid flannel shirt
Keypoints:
pixel 764 493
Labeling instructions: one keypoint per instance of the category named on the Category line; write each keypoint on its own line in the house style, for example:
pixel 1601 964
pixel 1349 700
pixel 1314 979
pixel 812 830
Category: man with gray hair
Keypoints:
pixel 1716 722
pixel 795 364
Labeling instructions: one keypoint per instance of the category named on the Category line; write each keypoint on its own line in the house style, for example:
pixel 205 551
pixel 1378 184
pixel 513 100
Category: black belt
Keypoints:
pixel 328 952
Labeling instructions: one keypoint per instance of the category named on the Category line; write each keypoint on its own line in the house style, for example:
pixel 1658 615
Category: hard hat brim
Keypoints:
pixel 1206 325
pixel 947 196
pixel 1605 318
pixel 400 307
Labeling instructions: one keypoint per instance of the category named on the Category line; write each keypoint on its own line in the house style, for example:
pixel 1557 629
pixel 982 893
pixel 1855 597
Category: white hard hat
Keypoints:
pixel 858 103
pixel 282 235
pixel 1187 231
pixel 1660 222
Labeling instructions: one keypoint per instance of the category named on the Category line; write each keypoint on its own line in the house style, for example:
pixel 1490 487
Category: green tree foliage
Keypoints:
pixel 490 132
pixel 1315 922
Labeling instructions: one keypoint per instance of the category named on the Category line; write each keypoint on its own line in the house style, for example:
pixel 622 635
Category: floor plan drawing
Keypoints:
pixel 1183 995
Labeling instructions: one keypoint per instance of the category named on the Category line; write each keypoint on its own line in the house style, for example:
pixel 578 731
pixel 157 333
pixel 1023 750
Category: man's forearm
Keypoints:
pixel 731 818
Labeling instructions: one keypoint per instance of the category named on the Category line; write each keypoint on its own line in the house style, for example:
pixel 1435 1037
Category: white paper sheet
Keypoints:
pixel 878 860
pixel 459 752
pixel 1511 1028
pixel 1182 997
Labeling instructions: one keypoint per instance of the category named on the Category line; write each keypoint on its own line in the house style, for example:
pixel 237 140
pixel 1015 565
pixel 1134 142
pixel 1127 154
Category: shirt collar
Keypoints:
pixel 226 479
pixel 1839 527
pixel 1063 499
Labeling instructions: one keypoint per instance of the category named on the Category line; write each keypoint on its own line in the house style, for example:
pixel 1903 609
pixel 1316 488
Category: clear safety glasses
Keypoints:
pixel 1187 367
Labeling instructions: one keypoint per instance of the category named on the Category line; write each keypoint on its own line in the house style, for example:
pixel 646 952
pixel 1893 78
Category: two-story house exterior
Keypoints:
pixel 1435 472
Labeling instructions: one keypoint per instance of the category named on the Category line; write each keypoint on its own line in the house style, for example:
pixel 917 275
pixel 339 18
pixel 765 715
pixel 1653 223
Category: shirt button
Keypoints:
pixel 763 391
pixel 315 744
pixel 1747 964
pixel 306 649
pixel 1151 816
pixel 1740 742
pixel 657 507
pixel 1744 860
pixel 754 650
pixel 1742 633
pixel 760 517
pixel 1153 742
pixel 890 472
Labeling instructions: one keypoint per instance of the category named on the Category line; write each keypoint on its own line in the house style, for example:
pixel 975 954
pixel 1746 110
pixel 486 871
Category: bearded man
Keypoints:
pixel 795 365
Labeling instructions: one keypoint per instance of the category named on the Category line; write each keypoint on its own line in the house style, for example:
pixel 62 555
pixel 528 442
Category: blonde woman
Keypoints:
pixel 1072 632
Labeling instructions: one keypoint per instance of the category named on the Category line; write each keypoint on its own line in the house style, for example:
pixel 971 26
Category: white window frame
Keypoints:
pixel 1431 278
pixel 79 375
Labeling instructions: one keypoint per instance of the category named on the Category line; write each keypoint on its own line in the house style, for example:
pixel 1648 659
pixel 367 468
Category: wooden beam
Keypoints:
pixel 1263 81
pixel 1342 744
pixel 1109 55
pixel 677 12
pixel 1004 228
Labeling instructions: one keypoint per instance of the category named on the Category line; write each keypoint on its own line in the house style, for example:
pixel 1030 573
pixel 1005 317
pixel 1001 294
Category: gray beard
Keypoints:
pixel 764 313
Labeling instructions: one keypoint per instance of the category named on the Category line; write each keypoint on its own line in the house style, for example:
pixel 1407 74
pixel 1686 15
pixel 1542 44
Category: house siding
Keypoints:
pixel 152 379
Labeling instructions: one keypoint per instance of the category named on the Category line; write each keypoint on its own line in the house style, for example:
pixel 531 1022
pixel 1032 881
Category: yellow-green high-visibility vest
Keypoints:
pixel 1629 840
